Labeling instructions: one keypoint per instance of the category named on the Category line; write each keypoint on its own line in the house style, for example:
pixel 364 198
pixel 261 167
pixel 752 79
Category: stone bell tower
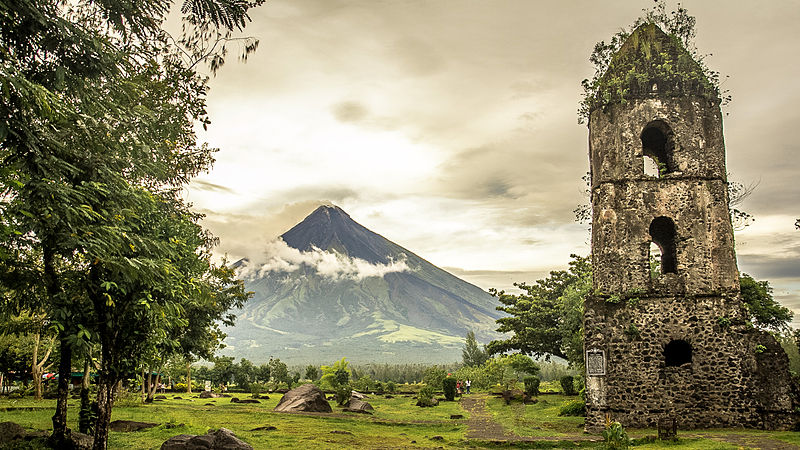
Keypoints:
pixel 669 339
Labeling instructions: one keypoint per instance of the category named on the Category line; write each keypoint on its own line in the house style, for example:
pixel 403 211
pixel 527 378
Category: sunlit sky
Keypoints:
pixel 450 128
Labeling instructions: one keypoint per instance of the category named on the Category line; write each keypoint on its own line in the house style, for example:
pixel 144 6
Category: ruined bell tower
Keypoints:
pixel 666 334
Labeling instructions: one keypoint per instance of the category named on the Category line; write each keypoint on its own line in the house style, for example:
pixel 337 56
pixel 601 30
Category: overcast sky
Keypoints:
pixel 450 128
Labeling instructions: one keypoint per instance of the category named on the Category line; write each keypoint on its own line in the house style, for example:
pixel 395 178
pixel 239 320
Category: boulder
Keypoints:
pixel 358 406
pixel 358 395
pixel 265 428
pixel 222 439
pixel 307 397
pixel 160 397
pixel 433 402
pixel 9 432
pixel 130 425
pixel 177 397
pixel 456 416
pixel 73 441
pixel 249 400
pixel 209 394
pixel 235 400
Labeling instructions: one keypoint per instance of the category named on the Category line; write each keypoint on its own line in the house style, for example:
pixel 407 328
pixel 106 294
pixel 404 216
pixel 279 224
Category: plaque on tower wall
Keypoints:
pixel 595 363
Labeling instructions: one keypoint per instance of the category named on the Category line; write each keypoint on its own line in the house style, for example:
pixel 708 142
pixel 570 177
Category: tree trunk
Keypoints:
pixel 148 398
pixel 189 378
pixel 151 388
pixel 144 383
pixel 35 373
pixel 64 374
pixel 37 367
pixel 106 388
pixel 87 370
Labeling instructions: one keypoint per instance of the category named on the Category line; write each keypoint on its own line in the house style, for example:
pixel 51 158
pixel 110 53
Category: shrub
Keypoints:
pixel 126 398
pixel 615 437
pixel 378 386
pixel 343 394
pixel 531 385
pixel 391 387
pixel 425 397
pixel 449 388
pixel 568 385
pixel 180 387
pixel 573 408
pixel 364 384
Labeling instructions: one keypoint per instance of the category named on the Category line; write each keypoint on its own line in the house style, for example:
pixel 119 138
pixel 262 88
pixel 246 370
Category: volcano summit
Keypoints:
pixel 330 287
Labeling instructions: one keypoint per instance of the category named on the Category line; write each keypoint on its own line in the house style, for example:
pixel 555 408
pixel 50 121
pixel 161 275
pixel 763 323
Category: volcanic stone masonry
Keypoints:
pixel 670 342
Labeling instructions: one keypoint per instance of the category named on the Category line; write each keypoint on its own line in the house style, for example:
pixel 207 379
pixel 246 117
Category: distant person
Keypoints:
pixel 467 384
pixel 458 387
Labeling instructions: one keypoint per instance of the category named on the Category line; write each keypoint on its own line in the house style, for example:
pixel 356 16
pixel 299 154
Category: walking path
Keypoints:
pixel 482 426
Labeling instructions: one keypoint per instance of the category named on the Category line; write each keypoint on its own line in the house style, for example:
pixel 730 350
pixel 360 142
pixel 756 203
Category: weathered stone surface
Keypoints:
pixel 10 431
pixel 358 395
pixel 160 397
pixel 676 343
pixel 130 425
pixel 358 406
pixel 222 439
pixel 307 397
pixel 209 394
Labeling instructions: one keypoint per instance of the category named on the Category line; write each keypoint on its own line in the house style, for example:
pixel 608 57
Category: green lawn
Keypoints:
pixel 395 423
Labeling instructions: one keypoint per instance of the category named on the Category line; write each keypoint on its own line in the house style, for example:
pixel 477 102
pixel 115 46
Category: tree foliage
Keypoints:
pixel 674 64
pixel 546 318
pixel 763 310
pixel 97 118
pixel 472 355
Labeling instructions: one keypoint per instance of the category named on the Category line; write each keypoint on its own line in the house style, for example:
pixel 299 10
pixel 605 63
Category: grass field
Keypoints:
pixel 396 423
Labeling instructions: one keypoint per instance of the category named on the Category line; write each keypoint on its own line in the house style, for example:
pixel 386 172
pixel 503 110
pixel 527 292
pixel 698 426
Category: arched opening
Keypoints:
pixel 657 147
pixel 662 233
pixel 677 353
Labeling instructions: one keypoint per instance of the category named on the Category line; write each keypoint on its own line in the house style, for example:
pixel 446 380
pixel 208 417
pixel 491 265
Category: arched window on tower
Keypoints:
pixel 662 233
pixel 657 148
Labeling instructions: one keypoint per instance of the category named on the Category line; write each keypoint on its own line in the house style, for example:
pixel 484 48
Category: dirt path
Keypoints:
pixel 481 425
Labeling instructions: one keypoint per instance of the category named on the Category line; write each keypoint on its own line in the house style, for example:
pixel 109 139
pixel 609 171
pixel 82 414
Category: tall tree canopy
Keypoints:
pixel 97 111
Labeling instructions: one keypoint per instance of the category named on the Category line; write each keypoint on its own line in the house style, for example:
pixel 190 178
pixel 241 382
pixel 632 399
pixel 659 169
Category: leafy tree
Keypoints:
pixel 279 371
pixel 336 375
pixel 546 319
pixel 472 355
pixel 96 116
pixel 764 311
pixel 262 373
pixel 312 373
pixel 434 376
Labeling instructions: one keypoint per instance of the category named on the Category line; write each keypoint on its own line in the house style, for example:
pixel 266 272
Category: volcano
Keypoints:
pixel 332 288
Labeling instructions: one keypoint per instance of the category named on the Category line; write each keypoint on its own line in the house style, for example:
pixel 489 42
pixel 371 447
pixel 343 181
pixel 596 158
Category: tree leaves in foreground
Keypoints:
pixel 97 114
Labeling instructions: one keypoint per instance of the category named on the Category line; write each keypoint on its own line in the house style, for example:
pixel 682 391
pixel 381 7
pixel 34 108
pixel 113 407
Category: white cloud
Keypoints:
pixel 282 258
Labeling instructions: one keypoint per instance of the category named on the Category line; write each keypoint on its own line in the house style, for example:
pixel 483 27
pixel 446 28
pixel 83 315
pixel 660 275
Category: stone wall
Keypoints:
pixel 676 344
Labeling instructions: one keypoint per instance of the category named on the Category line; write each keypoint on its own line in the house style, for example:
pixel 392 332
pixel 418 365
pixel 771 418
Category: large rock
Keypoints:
pixel 307 398
pixel 222 439
pixel 130 425
pixel 209 394
pixel 9 432
pixel 358 406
